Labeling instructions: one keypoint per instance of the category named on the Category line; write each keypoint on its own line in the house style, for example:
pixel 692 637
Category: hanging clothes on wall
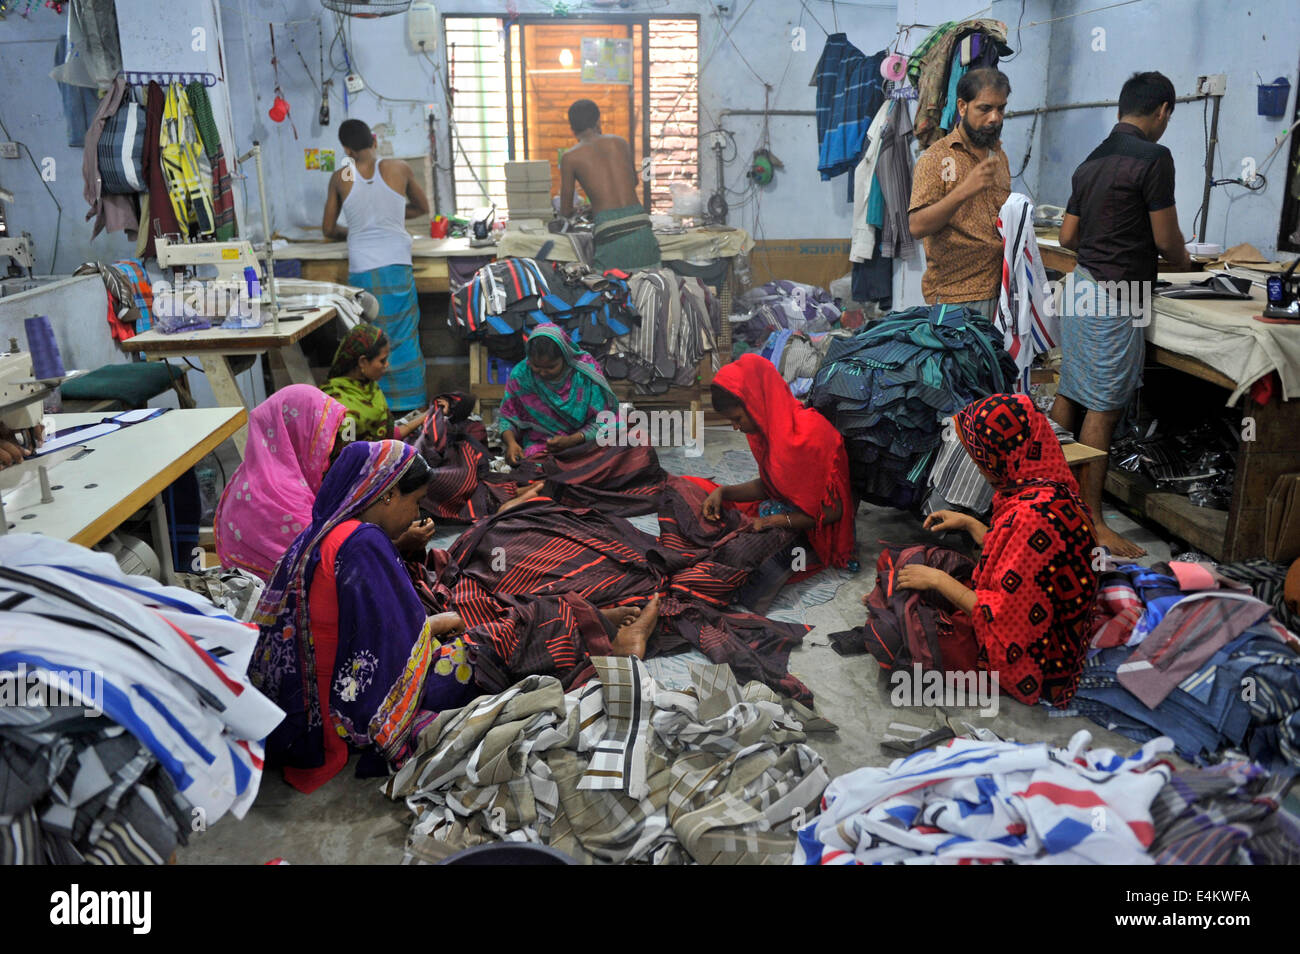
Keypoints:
pixel 116 213
pixel 223 197
pixel 185 166
pixel 849 92
pixel 79 102
pixel 894 176
pixel 929 68
pixel 158 215
pixel 92 37
pixel 865 235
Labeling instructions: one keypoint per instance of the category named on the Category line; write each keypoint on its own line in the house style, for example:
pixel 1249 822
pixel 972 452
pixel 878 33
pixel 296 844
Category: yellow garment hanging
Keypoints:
pixel 185 166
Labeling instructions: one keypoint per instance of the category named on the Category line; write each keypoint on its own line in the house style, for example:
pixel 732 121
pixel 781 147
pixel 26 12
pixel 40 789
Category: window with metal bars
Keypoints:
pixel 511 89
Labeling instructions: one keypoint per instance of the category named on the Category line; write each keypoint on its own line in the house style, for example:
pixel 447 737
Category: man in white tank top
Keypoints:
pixel 376 197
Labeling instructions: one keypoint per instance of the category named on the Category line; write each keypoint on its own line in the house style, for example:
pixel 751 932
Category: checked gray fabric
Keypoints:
pixel 621 770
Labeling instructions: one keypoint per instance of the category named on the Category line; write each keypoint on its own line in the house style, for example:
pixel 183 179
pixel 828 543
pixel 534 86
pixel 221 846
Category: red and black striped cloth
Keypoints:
pixel 525 582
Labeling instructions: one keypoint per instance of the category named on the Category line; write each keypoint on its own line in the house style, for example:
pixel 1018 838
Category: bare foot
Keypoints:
pixel 1118 545
pixel 632 638
pixel 620 616
pixel 528 493
pixel 865 597
pixel 443 623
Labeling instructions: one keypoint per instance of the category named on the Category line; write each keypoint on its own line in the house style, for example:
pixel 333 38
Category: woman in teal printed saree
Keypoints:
pixel 553 397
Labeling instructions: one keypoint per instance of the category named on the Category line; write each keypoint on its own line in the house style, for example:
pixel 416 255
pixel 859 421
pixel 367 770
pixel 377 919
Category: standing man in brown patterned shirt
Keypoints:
pixel 958 187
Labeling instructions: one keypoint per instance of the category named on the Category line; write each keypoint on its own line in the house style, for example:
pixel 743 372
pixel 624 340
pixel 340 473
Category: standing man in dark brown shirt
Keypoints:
pixel 958 187
pixel 603 166
pixel 1120 218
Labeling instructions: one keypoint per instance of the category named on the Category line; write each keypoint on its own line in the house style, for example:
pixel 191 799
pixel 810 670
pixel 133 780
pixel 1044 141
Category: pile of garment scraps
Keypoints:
pixel 1182 651
pixel 127 720
pixel 889 388
pixel 1198 462
pixel 621 770
pixel 971 802
pixel 799 356
pixel 783 305
pixel 680 322
pixel 1227 814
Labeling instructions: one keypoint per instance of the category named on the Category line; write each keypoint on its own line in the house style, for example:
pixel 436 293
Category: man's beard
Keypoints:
pixel 985 137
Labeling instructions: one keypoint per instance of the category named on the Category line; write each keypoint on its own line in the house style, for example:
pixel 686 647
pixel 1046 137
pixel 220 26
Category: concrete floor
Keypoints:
pixel 349 821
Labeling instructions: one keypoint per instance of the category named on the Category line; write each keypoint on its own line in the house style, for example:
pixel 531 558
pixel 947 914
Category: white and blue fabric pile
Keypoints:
pixel 126 717
pixel 972 802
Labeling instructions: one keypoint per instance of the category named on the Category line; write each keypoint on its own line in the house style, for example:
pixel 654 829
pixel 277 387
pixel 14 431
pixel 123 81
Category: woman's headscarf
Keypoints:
pixel 269 499
pixel 1034 583
pixel 362 474
pixel 1012 440
pixel 800 454
pixel 566 405
pixel 356 343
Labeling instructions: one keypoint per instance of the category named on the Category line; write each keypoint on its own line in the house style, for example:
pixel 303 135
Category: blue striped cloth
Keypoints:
pixel 849 91
pixel 399 317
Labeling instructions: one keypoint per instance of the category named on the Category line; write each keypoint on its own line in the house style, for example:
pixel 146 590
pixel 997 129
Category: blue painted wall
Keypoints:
pixel 1182 39
pixel 1057 65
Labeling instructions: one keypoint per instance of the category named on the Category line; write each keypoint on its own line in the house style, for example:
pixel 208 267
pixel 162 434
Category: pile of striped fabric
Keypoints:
pixel 126 718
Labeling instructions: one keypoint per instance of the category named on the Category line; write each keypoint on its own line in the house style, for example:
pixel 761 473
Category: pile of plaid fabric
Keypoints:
pixel 889 388
pixel 620 770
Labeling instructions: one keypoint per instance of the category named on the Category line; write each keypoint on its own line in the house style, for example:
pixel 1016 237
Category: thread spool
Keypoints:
pixel 47 364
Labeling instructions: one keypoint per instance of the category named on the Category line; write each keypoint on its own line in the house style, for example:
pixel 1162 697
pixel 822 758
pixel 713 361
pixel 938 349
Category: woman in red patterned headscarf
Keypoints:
pixel 803 470
pixel 1034 585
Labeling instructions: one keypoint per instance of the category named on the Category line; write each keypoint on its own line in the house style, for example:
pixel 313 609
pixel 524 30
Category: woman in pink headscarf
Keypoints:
pixel 292 437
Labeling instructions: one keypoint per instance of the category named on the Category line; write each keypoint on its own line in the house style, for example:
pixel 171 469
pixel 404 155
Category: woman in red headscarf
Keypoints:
pixel 803 470
pixel 1034 584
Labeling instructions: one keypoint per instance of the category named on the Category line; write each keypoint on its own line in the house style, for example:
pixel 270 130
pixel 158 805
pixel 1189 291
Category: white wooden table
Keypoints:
pixel 216 346
pixel 98 485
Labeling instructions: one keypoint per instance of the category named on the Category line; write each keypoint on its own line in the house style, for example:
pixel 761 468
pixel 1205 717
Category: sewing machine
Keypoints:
pixel 229 258
pixel 21 395
pixel 19 250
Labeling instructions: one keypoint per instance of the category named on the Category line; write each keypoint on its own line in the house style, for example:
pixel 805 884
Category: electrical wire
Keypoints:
pixel 58 219
pixel 1019 46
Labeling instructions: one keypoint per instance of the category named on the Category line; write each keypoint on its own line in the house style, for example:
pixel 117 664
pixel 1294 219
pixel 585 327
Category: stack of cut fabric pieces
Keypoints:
pixel 889 388
pixel 621 770
pixel 1183 651
pixel 971 802
pixel 680 322
pixel 512 295
pixel 127 721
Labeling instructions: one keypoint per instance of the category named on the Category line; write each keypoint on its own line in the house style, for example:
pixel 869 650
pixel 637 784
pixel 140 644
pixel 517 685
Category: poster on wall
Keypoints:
pixel 322 159
pixel 606 60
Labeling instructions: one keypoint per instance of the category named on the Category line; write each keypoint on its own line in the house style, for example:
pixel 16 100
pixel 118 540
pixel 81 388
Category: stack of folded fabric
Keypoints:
pixel 888 389
pixel 680 321
pixel 512 295
pixel 126 718
pixel 784 305
pixel 971 802
pixel 1182 651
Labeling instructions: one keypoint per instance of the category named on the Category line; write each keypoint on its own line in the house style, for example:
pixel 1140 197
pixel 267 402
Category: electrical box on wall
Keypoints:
pixel 422 25
pixel 1215 84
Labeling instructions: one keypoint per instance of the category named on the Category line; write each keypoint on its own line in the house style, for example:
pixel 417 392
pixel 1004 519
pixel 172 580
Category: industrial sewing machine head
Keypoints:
pixel 21 395
pixel 229 258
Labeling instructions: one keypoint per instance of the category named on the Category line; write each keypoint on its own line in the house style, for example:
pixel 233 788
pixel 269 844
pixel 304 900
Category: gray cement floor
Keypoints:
pixel 349 821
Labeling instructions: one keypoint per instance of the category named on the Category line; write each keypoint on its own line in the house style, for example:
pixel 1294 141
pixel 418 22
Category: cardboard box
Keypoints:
pixel 529 173
pixel 815 262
